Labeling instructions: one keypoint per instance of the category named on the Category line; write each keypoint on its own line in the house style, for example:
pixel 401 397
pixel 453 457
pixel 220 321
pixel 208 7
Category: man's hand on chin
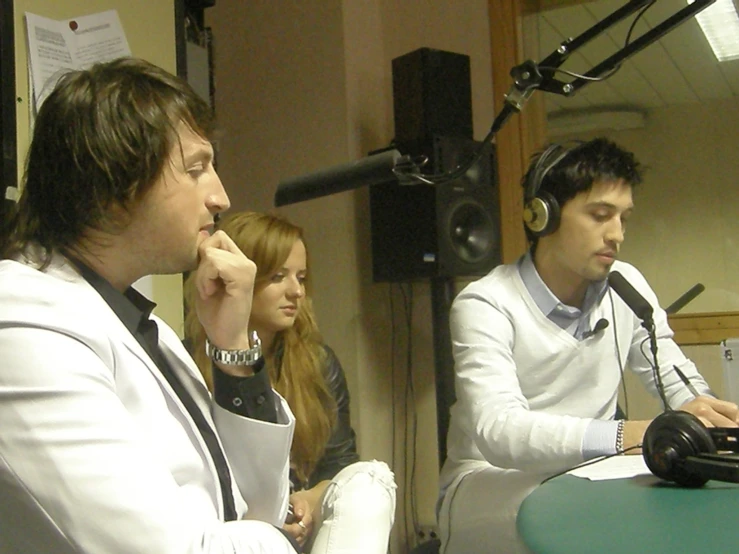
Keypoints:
pixel 224 280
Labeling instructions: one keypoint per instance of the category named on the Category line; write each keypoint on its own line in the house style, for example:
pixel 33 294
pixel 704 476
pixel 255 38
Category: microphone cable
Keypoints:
pixel 611 72
pixel 626 399
pixel 591 462
pixel 643 311
pixel 655 369
pixel 618 354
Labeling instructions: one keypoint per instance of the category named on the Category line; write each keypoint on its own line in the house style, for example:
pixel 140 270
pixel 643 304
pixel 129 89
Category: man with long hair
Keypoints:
pixel 110 441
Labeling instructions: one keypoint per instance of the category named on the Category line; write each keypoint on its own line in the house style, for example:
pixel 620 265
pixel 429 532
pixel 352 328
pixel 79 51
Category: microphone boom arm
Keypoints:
pixel 529 76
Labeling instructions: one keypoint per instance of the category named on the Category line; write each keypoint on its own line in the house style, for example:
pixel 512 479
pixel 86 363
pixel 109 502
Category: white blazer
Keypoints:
pixel 98 454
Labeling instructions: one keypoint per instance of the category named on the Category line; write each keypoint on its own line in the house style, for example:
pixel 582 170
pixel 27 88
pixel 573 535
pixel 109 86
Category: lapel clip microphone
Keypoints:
pixel 599 326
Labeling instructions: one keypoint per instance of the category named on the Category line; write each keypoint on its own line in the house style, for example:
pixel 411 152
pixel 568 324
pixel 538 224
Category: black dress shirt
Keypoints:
pixel 133 309
pixel 247 396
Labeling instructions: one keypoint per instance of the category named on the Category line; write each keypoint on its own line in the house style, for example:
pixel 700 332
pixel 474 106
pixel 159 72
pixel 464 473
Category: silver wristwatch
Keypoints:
pixel 236 357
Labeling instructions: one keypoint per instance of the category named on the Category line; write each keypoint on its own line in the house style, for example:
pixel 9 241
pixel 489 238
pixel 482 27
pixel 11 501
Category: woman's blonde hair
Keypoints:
pixel 296 357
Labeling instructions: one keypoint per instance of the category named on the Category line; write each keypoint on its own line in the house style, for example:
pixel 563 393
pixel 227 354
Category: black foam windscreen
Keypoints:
pixel 597 328
pixel 685 299
pixel 374 169
pixel 630 295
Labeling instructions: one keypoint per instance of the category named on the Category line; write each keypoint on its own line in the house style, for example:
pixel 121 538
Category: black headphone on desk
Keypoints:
pixel 541 211
pixel 677 447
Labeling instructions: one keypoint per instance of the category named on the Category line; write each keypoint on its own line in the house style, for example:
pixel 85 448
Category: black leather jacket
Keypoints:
pixel 341 449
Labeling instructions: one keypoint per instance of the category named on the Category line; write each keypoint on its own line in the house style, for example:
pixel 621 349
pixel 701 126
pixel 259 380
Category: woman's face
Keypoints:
pixel 277 300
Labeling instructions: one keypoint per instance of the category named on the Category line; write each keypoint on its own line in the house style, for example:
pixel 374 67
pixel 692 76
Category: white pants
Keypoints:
pixel 478 512
pixel 357 511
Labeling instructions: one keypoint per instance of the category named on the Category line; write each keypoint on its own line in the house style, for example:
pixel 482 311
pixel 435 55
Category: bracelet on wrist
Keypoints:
pixel 620 437
pixel 247 357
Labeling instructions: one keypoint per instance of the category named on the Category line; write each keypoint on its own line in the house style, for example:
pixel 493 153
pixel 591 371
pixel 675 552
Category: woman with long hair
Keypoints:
pixel 325 466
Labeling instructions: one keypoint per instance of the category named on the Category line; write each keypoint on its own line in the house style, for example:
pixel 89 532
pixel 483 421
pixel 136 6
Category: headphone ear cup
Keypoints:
pixel 670 438
pixel 541 214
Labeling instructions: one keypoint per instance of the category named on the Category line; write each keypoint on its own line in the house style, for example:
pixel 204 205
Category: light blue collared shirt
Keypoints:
pixel 575 321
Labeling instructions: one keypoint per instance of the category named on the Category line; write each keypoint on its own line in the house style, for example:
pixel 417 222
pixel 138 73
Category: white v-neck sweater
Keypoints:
pixel 527 389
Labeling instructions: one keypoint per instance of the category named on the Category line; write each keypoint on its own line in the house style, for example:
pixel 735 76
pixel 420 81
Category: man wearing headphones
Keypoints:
pixel 540 347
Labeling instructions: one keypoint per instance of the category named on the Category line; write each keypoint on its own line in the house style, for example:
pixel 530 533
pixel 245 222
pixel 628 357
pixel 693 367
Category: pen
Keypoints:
pixel 687 382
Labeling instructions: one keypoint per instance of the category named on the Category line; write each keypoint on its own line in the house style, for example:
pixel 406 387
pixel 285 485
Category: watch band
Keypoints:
pixel 236 357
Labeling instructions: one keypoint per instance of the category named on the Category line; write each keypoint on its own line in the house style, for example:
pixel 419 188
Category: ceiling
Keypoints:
pixel 680 68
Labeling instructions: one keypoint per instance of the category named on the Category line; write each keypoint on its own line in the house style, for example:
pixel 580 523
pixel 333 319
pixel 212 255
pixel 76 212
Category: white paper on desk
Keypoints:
pixel 55 47
pixel 616 467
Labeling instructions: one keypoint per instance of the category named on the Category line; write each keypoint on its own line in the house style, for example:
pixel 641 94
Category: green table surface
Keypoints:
pixel 569 515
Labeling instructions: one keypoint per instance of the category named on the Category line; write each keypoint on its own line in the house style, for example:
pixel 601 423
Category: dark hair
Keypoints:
pixel 101 140
pixel 578 168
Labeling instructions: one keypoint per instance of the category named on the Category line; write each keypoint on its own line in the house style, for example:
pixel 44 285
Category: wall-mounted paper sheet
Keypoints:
pixel 55 47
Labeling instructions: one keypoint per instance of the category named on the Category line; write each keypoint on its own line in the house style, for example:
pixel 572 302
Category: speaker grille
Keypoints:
pixel 445 230
pixel 471 231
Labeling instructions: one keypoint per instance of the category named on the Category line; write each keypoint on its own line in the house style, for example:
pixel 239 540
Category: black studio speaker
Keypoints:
pixel 449 229
pixel 445 230
pixel 432 95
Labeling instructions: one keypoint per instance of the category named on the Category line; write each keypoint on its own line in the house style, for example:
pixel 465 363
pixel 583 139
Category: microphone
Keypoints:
pixel 631 296
pixel 681 302
pixel 599 326
pixel 643 311
pixel 376 169
pixel 677 446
